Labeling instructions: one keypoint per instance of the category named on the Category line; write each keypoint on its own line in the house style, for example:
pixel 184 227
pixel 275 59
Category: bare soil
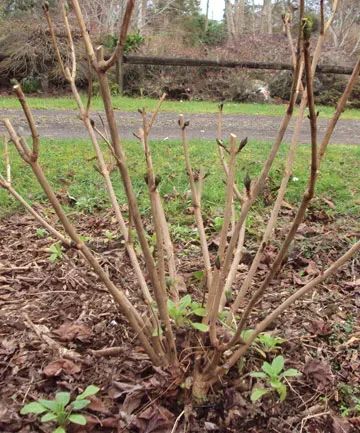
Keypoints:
pixel 54 317
pixel 62 124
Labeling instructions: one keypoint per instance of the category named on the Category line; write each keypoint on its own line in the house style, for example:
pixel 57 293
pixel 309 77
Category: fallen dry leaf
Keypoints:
pixel 73 331
pixel 66 366
pixel 340 425
pixel 319 327
pixel 312 268
pixel 319 372
pixel 154 420
pixel 97 405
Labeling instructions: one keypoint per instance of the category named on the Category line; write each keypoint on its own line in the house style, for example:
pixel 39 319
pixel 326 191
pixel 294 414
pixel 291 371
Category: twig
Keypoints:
pixel 118 52
pixel 173 430
pixel 317 415
pixel 308 195
pixel 108 351
pixel 6 185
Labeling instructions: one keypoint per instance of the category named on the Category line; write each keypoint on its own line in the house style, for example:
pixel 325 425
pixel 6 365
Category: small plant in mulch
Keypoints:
pixel 273 375
pixel 62 410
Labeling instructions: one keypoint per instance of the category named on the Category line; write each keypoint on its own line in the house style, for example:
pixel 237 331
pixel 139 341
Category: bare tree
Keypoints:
pixel 345 29
pixel 235 17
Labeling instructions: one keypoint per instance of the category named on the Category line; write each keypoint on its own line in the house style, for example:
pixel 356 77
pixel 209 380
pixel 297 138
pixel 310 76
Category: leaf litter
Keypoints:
pixel 54 318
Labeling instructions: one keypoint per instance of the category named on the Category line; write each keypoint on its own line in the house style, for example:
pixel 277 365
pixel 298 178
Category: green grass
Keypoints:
pixel 69 165
pixel 133 104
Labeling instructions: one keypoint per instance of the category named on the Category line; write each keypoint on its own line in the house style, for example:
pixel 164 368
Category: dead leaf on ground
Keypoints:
pixel 319 327
pixel 97 405
pixel 133 396
pixel 340 425
pixel 73 331
pixel 180 284
pixel 319 372
pixel 66 366
pixel 312 268
pixel 154 420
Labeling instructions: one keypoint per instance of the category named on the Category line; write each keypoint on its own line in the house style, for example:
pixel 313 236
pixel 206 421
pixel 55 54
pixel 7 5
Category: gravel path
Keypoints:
pixel 66 124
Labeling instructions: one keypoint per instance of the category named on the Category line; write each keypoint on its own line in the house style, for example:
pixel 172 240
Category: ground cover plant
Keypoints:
pixel 195 341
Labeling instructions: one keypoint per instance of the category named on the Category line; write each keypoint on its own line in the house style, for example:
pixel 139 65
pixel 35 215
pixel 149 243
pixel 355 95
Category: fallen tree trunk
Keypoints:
pixel 179 61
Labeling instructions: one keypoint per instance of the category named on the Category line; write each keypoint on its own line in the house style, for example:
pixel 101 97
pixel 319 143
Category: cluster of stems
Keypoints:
pixel 158 273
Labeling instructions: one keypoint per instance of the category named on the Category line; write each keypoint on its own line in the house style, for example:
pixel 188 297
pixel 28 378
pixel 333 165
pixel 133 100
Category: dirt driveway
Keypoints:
pixel 66 124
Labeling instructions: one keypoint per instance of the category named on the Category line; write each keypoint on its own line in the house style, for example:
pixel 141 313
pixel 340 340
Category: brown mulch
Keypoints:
pixel 55 316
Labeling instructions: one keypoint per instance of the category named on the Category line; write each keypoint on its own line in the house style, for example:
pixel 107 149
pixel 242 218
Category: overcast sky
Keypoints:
pixel 216 9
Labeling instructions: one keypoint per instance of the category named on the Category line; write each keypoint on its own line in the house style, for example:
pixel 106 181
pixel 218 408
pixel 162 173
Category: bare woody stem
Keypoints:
pixel 263 325
pixel 31 122
pixel 160 295
pixel 268 163
pixel 287 19
pixel 304 203
pixel 216 291
pixel 219 138
pixel 238 252
pixel 84 115
pixel 260 182
pixel 100 66
pixel 125 306
pixel 287 173
pixel 331 126
pixel 96 60
pixel 196 203
pixel 7 160
pixel 165 234
pixel 134 209
pixel 118 52
pixel 339 109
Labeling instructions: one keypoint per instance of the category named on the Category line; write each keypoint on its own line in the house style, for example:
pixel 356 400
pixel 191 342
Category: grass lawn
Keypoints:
pixel 70 168
pixel 124 103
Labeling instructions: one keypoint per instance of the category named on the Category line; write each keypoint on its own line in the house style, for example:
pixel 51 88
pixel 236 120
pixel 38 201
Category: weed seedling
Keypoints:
pixel 56 252
pixel 267 343
pixel 61 410
pixel 273 375
pixel 41 233
pixel 184 311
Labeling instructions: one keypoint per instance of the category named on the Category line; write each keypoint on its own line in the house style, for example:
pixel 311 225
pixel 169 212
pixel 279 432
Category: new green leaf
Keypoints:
pixel 89 391
pixel 77 419
pixel 200 326
pixel 50 416
pixel 257 393
pixel 34 407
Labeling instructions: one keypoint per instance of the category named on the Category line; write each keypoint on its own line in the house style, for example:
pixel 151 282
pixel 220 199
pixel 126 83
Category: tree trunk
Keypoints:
pixel 206 26
pixel 266 17
pixel 229 16
pixel 239 17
